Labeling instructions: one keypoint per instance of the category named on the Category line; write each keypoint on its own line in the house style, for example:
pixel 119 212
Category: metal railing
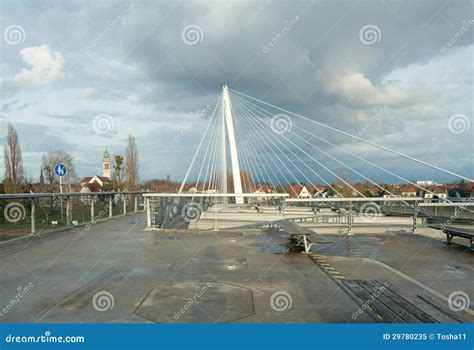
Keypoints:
pixel 167 210
pixel 178 210
pixel 42 212
pixel 32 213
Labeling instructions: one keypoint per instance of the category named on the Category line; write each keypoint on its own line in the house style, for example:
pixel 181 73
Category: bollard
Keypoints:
pixel 110 206
pixel 92 209
pixel 33 219
pixel 124 198
pixel 68 211
pixel 215 216
pixel 148 212
pixel 136 203
pixel 349 220
pixel 415 215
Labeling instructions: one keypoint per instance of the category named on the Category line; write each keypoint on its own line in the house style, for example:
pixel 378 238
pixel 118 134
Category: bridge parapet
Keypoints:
pixel 34 213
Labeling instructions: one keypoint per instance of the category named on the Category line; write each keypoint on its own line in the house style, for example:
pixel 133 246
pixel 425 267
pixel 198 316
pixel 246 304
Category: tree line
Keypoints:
pixel 125 176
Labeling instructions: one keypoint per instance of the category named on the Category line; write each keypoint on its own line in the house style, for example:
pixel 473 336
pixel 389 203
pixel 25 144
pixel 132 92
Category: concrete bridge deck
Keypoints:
pixel 116 271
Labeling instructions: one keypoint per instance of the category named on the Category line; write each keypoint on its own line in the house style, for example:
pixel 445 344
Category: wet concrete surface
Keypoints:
pixel 116 271
pixel 428 260
pixel 416 264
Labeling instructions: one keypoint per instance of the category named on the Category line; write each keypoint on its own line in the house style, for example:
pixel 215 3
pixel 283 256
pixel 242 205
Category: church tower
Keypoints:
pixel 106 165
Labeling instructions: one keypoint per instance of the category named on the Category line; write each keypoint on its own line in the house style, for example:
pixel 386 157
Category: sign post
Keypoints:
pixel 61 170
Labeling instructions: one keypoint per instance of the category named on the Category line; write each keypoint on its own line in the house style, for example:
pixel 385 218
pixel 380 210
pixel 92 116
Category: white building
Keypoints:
pixel 424 183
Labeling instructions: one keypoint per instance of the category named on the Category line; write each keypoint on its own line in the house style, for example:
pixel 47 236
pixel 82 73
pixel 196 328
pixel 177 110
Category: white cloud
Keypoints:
pixel 361 92
pixel 89 93
pixel 47 67
pixel 426 111
pixel 3 68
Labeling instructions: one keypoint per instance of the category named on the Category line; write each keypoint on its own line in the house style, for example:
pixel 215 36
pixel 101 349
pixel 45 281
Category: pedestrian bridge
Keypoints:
pixel 117 271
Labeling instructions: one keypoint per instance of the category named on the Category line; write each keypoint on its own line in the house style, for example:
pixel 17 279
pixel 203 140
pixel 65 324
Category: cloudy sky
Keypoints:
pixel 82 75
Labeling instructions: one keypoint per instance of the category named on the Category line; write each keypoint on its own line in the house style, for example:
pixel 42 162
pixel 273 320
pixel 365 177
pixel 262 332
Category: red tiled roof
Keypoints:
pixel 437 189
pixel 408 188
pixel 160 187
pixel 316 188
pixel 88 178
pixel 294 190
pixel 94 187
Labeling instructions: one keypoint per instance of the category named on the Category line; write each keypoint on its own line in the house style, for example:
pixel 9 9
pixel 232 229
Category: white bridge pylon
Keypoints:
pixel 226 139
pixel 228 124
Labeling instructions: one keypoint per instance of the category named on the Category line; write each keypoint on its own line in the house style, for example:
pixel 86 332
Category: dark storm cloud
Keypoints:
pixel 323 44
pixel 133 61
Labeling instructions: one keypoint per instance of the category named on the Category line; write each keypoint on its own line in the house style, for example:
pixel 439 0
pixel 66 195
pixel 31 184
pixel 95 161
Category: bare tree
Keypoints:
pixel 51 159
pixel 118 169
pixel 132 175
pixel 13 162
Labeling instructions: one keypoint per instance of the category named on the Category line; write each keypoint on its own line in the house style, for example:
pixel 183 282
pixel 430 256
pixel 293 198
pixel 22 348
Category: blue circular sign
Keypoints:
pixel 60 169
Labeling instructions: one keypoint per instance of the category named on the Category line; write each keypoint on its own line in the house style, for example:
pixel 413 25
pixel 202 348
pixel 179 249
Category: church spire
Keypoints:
pixel 41 176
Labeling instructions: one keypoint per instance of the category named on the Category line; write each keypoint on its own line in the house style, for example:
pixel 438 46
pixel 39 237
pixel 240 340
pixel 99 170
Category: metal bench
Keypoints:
pixel 299 235
pixel 452 231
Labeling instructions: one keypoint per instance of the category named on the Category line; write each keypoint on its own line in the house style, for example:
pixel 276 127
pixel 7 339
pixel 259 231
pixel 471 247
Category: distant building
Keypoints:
pixel 298 191
pixel 390 191
pixel 160 186
pixel 106 168
pixel 319 191
pixel 41 178
pixel 96 183
pixel 408 191
pixel 424 183
pixel 93 183
pixel 470 187
pixel 257 199
pixel 436 191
